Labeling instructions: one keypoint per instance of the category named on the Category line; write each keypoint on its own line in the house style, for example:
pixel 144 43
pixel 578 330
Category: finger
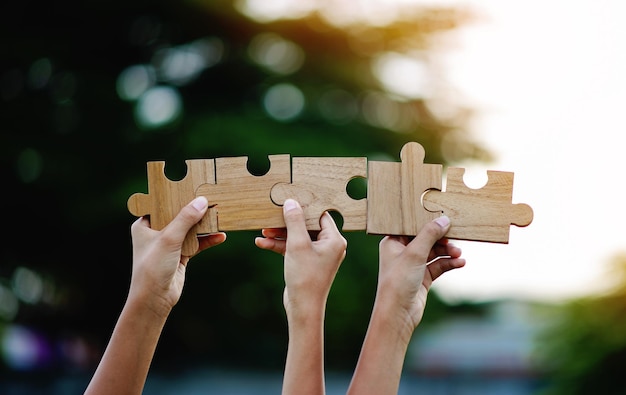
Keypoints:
pixel 294 220
pixel 139 223
pixel 444 241
pixel 393 244
pixel 188 216
pixel 393 240
pixel 453 251
pixel 442 266
pixel 140 229
pixel 143 221
pixel 274 233
pixel 210 240
pixel 274 245
pixel 328 227
pixel 444 248
pixel 430 234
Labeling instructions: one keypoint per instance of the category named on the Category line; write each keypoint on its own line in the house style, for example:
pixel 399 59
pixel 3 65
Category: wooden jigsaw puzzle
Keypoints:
pixel 401 196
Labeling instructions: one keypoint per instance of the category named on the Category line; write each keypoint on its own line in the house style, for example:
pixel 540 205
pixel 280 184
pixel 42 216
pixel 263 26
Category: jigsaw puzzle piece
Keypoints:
pixel 242 200
pixel 484 214
pixel 394 192
pixel 165 198
pixel 319 184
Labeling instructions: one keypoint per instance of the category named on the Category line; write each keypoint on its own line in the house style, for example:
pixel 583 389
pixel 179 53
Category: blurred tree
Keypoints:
pixel 586 348
pixel 90 91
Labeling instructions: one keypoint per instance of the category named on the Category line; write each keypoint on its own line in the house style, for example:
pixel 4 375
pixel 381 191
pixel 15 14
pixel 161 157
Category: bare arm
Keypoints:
pixel 310 268
pixel 404 280
pixel 126 360
pixel 156 284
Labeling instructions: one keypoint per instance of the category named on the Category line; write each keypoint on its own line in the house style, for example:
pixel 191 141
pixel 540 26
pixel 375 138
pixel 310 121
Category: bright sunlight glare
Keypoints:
pixel 547 81
pixel 337 12
pixel 549 95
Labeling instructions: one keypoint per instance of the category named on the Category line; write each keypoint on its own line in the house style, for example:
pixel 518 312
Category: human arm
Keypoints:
pixel 405 277
pixel 310 267
pixel 157 280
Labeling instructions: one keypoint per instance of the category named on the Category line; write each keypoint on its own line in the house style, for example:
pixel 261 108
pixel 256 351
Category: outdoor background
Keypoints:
pixel 91 91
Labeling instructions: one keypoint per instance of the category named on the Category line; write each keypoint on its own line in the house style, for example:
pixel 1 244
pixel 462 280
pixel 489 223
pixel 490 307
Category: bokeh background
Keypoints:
pixel 91 91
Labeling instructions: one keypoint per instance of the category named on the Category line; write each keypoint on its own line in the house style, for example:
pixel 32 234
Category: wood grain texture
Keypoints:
pixel 242 200
pixel 165 198
pixel 319 184
pixel 484 214
pixel 394 192
pixel 401 196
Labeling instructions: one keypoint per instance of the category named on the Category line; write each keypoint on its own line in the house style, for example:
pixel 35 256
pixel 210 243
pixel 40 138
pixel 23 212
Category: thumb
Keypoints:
pixel 429 235
pixel 328 227
pixel 188 216
pixel 294 220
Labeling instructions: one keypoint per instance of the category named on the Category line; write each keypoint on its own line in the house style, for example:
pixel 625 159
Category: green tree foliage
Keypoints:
pixel 585 350
pixel 74 146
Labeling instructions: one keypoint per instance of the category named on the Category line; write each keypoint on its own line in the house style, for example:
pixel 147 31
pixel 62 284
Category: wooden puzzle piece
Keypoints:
pixel 319 184
pixel 401 196
pixel 166 198
pixel 242 200
pixel 394 192
pixel 484 214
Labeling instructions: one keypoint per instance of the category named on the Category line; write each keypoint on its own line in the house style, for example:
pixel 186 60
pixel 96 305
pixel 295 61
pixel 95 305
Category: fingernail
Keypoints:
pixel 443 221
pixel 290 204
pixel 200 203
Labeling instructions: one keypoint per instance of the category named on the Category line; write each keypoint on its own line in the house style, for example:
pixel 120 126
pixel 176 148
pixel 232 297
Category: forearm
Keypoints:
pixel 127 358
pixel 380 363
pixel 304 366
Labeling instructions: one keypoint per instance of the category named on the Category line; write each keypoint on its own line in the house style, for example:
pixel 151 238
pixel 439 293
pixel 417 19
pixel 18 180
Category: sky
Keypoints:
pixel 548 79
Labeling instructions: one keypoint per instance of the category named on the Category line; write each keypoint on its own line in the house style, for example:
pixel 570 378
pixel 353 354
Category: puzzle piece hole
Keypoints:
pixel 357 188
pixel 259 166
pixel 175 170
pixel 475 178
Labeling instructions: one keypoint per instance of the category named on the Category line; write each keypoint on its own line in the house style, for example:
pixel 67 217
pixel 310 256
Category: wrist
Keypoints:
pixel 305 314
pixel 394 320
pixel 150 306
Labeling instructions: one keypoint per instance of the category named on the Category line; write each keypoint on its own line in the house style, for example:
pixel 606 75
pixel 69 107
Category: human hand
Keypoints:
pixel 158 273
pixel 311 259
pixel 311 263
pixel 408 269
